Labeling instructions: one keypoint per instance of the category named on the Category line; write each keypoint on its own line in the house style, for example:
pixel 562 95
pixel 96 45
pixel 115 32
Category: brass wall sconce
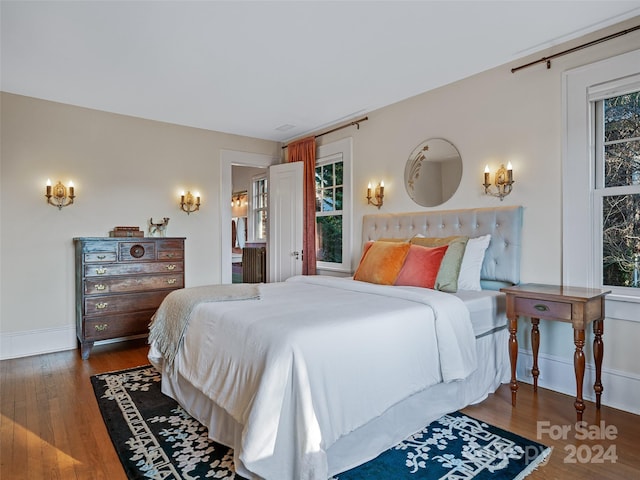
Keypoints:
pixel 378 194
pixel 62 196
pixel 503 181
pixel 190 203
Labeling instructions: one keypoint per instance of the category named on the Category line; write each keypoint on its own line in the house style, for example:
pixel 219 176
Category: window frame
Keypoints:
pixel 340 150
pixel 582 87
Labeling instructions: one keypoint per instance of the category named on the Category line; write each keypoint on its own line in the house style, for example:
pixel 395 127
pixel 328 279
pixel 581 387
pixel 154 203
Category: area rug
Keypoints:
pixel 156 439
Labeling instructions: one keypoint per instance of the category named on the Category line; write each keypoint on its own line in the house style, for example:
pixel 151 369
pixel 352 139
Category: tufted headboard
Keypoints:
pixel 502 258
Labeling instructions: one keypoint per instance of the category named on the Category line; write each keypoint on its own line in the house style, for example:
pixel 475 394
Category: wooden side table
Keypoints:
pixel 576 305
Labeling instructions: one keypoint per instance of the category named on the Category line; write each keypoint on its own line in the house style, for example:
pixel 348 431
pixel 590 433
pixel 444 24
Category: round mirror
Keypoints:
pixel 433 172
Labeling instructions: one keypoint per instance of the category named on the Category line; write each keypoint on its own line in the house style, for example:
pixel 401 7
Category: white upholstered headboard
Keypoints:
pixel 502 259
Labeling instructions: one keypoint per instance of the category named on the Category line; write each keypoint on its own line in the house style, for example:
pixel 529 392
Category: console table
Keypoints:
pixel 576 305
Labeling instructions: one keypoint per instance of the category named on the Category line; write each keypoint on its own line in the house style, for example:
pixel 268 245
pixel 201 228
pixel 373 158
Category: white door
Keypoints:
pixel 285 221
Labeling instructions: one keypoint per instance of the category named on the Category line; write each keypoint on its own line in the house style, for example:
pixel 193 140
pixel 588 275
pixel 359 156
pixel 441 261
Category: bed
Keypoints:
pixel 307 378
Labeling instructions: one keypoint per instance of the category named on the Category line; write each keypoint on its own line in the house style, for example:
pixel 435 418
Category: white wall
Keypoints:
pixel 496 117
pixel 125 170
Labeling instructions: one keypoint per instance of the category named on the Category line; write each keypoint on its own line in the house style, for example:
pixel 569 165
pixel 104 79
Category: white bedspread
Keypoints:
pixel 317 357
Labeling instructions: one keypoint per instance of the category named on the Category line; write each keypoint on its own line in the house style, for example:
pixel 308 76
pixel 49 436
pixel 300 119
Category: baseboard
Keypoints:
pixel 36 342
pixel 621 389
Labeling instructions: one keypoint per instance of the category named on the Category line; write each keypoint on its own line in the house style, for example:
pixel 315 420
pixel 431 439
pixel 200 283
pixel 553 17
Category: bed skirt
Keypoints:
pixel 365 443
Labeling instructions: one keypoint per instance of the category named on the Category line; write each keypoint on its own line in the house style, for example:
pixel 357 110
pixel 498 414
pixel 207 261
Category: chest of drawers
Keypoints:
pixel 120 282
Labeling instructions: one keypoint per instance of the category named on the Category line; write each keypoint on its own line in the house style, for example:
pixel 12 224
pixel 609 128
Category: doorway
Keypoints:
pixel 230 159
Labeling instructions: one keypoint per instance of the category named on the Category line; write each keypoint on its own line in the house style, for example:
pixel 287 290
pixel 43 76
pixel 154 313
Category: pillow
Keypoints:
pixel 421 266
pixel 381 262
pixel 447 279
pixel 469 278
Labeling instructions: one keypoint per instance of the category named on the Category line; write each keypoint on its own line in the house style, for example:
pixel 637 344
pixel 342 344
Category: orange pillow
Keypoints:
pixel 421 266
pixel 381 262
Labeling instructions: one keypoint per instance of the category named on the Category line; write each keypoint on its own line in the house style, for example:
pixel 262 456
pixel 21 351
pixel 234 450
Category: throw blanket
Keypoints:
pixel 170 321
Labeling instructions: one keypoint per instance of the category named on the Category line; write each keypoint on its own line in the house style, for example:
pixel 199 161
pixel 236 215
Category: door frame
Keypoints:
pixel 228 158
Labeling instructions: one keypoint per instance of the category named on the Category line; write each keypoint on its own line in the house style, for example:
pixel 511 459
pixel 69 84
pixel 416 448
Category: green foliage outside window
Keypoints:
pixel 621 213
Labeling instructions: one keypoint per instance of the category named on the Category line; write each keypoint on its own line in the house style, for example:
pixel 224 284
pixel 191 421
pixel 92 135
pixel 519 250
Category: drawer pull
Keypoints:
pixel 100 286
pixel 101 328
pixel 169 255
pixel 101 305
pixel 101 271
pixel 101 257
pixel 171 267
pixel 541 307
pixel 171 281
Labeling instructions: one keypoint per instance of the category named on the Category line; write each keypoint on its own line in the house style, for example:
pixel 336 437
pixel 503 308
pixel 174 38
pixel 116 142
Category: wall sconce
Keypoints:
pixel 378 194
pixel 503 181
pixel 189 203
pixel 62 196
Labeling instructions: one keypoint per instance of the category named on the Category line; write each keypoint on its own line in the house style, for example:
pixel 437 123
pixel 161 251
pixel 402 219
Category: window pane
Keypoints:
pixel 338 198
pixel 327 200
pixel 329 238
pixel 327 175
pixel 622 164
pixel 622 117
pixel 621 240
pixel 339 175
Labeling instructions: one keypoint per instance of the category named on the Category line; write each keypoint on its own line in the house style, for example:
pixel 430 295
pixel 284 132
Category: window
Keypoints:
pixel 333 206
pixel 617 189
pixel 259 197
pixel 600 188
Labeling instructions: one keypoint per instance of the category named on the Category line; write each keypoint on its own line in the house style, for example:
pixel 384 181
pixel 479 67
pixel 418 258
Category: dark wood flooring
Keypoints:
pixel 50 426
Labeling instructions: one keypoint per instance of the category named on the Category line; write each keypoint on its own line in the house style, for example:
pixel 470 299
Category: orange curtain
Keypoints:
pixel 305 151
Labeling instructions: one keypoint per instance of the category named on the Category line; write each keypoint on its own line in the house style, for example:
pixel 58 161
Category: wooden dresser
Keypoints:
pixel 120 282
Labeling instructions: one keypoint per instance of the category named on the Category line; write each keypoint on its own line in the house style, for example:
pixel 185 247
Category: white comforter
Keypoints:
pixel 317 357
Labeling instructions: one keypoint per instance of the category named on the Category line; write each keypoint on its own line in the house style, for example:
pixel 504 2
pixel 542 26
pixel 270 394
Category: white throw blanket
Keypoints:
pixel 170 321
pixel 316 358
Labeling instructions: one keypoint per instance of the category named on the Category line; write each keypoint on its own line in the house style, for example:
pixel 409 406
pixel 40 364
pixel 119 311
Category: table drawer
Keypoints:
pixel 134 302
pixel 94 286
pixel 113 326
pixel 543 308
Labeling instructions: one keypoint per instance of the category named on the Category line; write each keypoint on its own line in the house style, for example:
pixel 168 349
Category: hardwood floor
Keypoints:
pixel 50 426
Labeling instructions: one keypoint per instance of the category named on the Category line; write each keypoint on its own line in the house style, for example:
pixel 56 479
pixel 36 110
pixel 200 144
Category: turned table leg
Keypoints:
pixel 578 364
pixel 535 346
pixel 513 355
pixel 598 350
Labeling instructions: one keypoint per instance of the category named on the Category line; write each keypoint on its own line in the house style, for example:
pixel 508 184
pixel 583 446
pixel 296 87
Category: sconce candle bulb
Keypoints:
pixel 503 181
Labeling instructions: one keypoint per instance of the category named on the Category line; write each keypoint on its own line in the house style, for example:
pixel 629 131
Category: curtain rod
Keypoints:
pixel 350 124
pixel 579 47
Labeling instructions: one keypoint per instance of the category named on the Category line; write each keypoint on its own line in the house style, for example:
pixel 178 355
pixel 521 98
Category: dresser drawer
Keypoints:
pixel 110 269
pixel 113 326
pixel 543 308
pixel 94 286
pixel 136 251
pixel 97 257
pixel 112 304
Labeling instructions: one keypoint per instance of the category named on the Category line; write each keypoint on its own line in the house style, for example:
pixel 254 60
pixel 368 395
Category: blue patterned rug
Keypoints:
pixel 156 439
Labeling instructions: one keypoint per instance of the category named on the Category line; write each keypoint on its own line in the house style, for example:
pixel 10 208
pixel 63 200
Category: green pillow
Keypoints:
pixel 447 278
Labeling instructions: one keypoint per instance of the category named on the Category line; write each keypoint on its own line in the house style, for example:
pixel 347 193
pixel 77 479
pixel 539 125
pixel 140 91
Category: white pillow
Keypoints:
pixel 469 278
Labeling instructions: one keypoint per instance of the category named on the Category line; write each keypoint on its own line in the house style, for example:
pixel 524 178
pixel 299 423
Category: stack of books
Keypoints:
pixel 126 232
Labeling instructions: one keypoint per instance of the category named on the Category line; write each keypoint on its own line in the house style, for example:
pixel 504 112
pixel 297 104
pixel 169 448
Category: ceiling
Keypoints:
pixel 271 70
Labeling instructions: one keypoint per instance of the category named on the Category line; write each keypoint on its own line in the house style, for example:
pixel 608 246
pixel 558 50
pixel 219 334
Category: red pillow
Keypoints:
pixel 421 266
